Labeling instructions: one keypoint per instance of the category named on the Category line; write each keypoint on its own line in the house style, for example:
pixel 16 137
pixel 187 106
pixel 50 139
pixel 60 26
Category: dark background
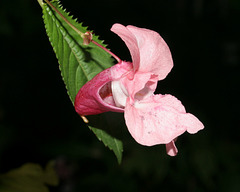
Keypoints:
pixel 38 122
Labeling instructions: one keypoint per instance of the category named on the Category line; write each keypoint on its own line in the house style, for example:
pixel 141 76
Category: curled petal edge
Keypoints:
pixel 149 51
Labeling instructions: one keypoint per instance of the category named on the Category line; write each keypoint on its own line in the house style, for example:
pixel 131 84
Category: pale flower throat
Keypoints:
pixel 120 94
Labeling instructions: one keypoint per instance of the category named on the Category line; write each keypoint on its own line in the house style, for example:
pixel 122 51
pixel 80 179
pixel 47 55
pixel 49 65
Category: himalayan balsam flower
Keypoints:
pixel 129 87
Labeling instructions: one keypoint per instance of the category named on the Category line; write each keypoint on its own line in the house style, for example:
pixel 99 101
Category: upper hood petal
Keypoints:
pixel 130 41
pixel 149 51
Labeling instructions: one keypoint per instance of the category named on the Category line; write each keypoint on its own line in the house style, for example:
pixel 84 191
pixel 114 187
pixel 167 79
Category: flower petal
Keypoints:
pixel 130 41
pixel 149 51
pixel 140 86
pixel 171 149
pixel 96 96
pixel 159 119
pixel 120 94
pixel 128 84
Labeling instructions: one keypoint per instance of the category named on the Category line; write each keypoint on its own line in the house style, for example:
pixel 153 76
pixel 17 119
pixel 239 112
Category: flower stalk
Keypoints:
pixel 87 37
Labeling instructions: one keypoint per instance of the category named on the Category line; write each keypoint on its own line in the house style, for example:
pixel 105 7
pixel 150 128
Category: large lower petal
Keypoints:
pixel 159 119
pixel 149 51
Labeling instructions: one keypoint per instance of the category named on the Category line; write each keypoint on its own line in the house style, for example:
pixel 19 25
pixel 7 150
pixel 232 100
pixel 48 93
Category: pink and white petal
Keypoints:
pixel 155 55
pixel 120 94
pixel 138 83
pixel 130 41
pixel 154 121
pixel 171 149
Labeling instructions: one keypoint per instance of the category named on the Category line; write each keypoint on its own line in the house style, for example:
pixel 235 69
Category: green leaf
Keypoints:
pixel 28 178
pixel 109 141
pixel 107 135
pixel 78 63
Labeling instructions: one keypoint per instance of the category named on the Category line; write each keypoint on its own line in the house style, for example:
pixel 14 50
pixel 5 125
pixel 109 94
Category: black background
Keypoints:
pixel 38 122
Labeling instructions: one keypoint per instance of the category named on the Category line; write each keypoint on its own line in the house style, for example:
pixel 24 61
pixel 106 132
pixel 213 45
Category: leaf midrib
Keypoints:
pixel 65 37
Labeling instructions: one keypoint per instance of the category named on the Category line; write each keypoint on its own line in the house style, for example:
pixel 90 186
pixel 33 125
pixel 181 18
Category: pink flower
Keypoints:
pixel 129 87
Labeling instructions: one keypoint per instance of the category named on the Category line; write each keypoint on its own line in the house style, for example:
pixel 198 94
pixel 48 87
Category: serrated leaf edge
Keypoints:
pixel 119 158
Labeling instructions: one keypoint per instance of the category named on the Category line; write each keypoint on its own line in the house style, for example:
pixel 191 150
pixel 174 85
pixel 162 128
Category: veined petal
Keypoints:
pixel 159 119
pixel 149 51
